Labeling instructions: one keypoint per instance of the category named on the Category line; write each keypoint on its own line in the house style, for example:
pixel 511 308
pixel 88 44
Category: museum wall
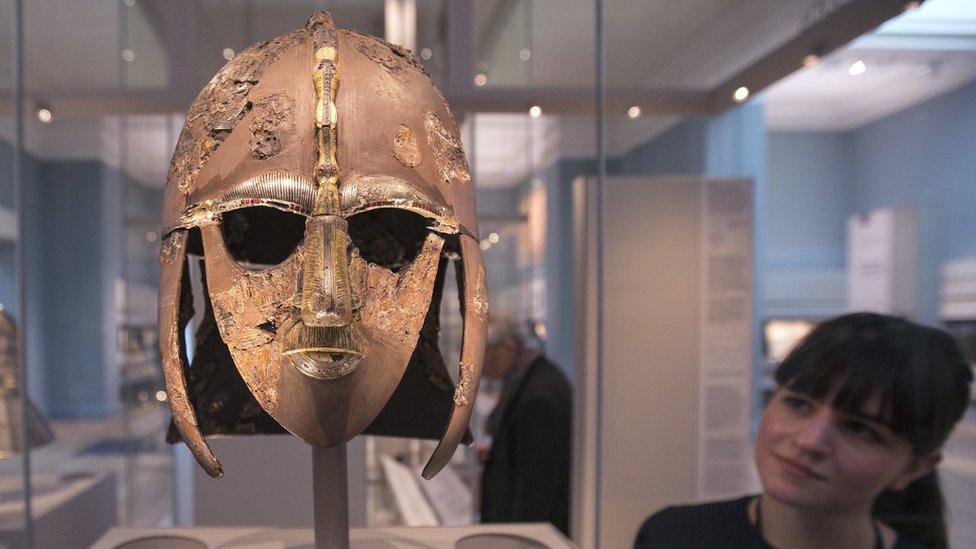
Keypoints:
pixel 817 179
pixel 808 200
pixel 679 150
pixel 71 296
pixel 72 257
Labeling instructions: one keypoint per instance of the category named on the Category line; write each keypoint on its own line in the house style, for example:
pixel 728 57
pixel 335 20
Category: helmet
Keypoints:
pixel 321 176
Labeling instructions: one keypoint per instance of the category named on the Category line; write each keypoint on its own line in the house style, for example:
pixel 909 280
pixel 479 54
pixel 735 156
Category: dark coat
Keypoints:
pixel 526 477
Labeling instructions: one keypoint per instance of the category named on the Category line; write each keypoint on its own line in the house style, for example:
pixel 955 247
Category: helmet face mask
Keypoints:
pixel 326 178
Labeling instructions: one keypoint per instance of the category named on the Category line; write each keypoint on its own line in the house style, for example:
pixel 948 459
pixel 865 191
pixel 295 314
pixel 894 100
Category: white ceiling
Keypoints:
pixel 912 58
pixel 661 44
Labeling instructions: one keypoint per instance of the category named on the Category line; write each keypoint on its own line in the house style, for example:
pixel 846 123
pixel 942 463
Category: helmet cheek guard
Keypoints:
pixel 324 175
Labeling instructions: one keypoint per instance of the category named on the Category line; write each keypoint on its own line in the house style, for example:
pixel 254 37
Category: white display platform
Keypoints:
pixel 506 536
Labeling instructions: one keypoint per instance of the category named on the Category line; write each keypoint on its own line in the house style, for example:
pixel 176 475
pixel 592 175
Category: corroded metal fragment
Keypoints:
pixel 395 303
pixel 250 313
pixel 405 147
pixel 220 106
pixel 395 59
pixel 479 302
pixel 463 393
pixel 173 245
pixel 272 122
pixel 448 152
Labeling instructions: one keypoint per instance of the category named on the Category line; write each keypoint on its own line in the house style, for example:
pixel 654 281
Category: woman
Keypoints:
pixel 863 407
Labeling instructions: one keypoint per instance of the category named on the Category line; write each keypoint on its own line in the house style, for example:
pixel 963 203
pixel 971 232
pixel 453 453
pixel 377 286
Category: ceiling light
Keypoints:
pixel 161 396
pixel 229 53
pixel 740 94
pixel 151 236
pixel 857 68
pixel 493 237
pixel 536 182
pixel 425 54
pixel 535 111
pixel 525 54
pixel 128 55
pixel 45 115
pixel 634 112
pixel 480 79
pixel 810 60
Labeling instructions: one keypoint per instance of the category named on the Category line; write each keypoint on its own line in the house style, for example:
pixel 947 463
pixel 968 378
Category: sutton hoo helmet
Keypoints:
pixel 322 178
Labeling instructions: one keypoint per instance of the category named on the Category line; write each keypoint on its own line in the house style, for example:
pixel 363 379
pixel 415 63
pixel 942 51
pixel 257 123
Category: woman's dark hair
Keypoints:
pixel 920 373
pixel 923 380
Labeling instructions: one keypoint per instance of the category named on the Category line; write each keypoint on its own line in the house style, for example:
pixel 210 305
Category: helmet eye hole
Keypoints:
pixel 389 237
pixel 260 237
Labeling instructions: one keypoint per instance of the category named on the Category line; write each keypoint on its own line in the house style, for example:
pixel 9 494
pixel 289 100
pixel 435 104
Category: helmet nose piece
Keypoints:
pixel 326 298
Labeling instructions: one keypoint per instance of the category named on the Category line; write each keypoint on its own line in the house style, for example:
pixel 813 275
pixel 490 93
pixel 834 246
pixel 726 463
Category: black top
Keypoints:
pixel 526 477
pixel 723 524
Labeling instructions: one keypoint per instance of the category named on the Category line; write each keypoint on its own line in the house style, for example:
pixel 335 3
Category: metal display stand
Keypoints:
pixel 330 495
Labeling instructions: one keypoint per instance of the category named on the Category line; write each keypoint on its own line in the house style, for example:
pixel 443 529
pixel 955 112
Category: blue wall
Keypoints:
pixel 68 287
pixel 71 244
pixel 924 157
pixel 808 200
pixel 680 150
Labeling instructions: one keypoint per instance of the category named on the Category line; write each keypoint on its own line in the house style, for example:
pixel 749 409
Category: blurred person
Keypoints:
pixel 526 474
pixel 847 446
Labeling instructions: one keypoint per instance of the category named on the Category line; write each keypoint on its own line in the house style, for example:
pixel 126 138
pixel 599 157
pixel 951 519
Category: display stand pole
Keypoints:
pixel 330 494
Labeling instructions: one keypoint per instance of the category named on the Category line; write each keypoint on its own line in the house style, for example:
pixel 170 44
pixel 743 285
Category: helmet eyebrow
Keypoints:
pixel 371 192
pixel 280 190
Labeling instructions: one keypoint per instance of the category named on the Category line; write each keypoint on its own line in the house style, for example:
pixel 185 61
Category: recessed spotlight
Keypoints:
pixel 536 182
pixel 857 68
pixel 810 60
pixel 151 236
pixel 535 111
pixel 45 115
pixel 161 396
pixel 425 54
pixel 493 238
pixel 229 53
pixel 480 79
pixel 129 3
pixel 484 245
pixel 740 94
pixel 634 112
pixel 128 55
pixel 525 54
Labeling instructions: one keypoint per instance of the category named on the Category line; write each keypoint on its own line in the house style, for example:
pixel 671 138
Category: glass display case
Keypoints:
pixel 566 108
